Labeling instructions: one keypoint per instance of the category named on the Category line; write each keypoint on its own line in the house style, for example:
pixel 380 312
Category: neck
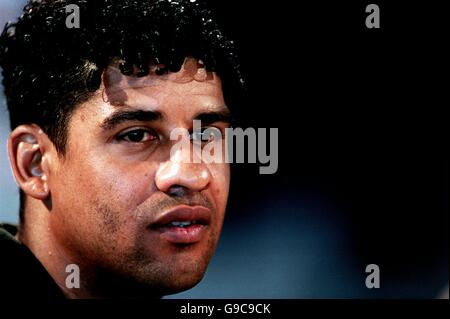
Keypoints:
pixel 55 256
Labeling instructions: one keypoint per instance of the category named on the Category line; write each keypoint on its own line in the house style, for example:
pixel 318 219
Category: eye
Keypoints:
pixel 206 134
pixel 137 136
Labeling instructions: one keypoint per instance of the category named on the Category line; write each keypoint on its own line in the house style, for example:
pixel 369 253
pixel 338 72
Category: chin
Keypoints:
pixel 174 289
pixel 180 283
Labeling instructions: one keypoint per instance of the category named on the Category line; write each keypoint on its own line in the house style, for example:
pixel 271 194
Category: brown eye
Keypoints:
pixel 137 136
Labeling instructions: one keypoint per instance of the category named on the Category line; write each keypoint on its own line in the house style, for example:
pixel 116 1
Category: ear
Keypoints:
pixel 28 148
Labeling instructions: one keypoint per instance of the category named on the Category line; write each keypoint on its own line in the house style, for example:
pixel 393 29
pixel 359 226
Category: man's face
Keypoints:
pixel 115 191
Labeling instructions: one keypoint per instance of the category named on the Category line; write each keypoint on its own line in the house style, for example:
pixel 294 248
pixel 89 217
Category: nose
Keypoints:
pixel 173 174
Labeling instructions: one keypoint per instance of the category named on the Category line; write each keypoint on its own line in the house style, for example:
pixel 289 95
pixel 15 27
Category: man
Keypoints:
pixel 106 211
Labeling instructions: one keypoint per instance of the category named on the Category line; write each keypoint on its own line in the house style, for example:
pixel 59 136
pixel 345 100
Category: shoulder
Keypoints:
pixel 21 273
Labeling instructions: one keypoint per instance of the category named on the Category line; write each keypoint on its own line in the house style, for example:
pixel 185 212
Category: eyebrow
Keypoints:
pixel 214 116
pixel 122 116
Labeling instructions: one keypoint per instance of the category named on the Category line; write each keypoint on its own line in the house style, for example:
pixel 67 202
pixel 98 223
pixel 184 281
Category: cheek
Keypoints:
pixel 100 201
pixel 126 185
pixel 107 182
pixel 220 183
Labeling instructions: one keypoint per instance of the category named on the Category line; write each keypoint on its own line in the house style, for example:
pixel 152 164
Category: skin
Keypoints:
pixel 92 206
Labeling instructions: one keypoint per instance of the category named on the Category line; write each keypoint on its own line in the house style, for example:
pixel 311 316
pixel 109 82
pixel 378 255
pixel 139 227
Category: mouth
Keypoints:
pixel 183 225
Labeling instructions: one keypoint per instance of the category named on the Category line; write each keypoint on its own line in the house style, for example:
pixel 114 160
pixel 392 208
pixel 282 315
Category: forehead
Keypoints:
pixel 177 96
pixel 192 80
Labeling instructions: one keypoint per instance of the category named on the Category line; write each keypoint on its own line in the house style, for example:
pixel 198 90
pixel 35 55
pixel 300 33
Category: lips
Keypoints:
pixel 183 225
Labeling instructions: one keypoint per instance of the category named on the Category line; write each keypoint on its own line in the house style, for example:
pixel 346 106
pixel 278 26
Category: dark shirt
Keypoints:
pixel 21 273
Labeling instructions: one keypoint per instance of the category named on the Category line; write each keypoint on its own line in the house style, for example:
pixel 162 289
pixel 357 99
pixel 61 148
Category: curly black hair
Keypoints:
pixel 50 69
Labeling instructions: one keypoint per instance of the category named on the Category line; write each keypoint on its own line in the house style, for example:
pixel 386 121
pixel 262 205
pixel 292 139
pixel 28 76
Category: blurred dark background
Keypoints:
pixel 363 166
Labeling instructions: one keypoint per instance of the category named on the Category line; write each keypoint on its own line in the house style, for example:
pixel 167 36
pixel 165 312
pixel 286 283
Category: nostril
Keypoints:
pixel 177 191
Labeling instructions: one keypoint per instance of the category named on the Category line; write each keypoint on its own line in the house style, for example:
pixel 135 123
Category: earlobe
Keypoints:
pixel 25 151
